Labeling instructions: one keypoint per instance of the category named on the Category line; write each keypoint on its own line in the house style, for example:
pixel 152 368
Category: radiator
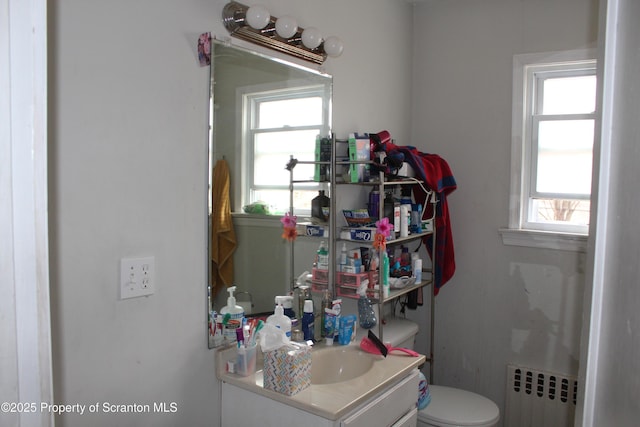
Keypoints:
pixel 539 399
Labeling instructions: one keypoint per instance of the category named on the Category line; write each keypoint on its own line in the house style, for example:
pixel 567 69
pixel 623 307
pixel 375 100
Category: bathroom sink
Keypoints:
pixel 336 364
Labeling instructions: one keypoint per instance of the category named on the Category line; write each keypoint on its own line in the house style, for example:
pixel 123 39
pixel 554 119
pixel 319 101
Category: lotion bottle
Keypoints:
pixel 278 319
pixel 236 314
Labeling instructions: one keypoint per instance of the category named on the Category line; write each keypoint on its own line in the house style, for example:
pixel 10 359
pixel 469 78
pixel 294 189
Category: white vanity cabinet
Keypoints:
pixel 394 406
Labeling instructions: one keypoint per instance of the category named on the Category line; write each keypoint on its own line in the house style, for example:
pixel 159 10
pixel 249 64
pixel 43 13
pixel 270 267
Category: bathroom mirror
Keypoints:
pixel 241 80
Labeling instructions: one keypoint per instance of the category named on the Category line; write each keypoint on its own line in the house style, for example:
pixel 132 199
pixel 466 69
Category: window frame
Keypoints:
pixel 251 98
pixel 520 231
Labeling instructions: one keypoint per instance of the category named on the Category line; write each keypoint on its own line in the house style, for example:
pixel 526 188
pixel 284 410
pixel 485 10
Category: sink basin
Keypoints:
pixel 336 364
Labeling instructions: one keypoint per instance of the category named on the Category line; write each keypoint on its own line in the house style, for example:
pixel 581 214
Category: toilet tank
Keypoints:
pixel 400 332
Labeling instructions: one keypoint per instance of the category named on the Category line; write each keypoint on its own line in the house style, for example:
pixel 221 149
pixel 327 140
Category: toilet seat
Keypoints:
pixel 454 407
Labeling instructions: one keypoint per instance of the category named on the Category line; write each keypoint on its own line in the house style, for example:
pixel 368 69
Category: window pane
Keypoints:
pixel 555 211
pixel 569 95
pixel 565 150
pixel 290 112
pixel 272 152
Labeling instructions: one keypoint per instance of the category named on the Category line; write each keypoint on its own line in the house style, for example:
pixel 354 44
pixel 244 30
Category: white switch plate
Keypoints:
pixel 137 277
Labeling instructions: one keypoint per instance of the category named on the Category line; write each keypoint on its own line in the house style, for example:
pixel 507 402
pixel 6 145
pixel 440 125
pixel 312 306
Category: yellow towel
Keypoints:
pixel 223 235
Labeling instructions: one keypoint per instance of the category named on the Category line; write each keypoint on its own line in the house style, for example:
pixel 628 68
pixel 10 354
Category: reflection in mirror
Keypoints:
pixel 263 110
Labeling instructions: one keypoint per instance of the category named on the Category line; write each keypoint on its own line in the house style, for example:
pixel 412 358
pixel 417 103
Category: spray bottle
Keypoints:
pixel 366 315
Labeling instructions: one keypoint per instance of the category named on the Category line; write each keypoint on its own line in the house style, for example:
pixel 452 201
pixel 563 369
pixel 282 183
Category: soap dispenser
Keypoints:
pixel 278 319
pixel 366 315
pixel 236 314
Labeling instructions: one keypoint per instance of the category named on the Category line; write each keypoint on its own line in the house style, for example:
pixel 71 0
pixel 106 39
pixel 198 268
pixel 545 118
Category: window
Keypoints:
pixel 554 119
pixel 280 124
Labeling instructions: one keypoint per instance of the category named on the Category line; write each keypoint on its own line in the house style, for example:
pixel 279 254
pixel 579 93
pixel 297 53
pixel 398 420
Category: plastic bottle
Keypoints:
pixel 416 218
pixel 317 203
pixel 374 204
pixel 366 315
pixel 278 319
pixel 388 207
pixel 385 275
pixel 308 320
pixel 344 257
pixel 322 257
pixel 303 295
pixel 375 261
pixel 405 258
pixel 405 219
pixel 405 210
pixel 417 270
pixel 236 313
pixel 396 219
pixel 287 304
pixel 357 262
pixel 326 304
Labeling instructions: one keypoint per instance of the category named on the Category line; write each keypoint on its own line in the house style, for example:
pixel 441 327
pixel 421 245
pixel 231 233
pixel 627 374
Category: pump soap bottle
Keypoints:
pixel 278 319
pixel 236 314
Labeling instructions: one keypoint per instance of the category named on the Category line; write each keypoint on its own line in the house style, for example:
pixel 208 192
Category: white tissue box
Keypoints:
pixel 309 229
pixel 287 370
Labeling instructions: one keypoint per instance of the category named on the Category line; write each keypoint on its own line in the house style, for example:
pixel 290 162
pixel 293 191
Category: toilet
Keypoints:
pixel 449 407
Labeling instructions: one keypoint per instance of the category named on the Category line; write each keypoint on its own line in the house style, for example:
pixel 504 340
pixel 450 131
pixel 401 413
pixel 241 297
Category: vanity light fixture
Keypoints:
pixel 256 25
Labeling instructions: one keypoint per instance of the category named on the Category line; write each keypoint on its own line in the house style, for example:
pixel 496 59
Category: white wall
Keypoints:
pixel 128 138
pixel 505 304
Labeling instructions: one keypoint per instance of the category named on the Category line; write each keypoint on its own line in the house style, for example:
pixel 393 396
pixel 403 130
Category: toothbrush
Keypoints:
pixel 247 334
pixel 255 332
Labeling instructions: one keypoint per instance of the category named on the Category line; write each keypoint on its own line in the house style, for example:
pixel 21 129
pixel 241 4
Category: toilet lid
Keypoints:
pixel 454 407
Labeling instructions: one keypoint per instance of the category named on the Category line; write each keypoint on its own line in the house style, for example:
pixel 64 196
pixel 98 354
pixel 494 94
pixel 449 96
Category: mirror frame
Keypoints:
pixel 214 155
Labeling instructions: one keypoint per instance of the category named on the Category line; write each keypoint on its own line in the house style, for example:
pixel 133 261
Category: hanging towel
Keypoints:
pixel 223 235
pixel 436 173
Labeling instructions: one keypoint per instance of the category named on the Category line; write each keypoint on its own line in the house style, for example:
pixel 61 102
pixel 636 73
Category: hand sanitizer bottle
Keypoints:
pixel 278 319
pixel 236 313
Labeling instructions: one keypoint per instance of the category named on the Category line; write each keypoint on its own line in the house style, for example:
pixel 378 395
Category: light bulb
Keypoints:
pixel 311 37
pixel 333 46
pixel 286 26
pixel 258 17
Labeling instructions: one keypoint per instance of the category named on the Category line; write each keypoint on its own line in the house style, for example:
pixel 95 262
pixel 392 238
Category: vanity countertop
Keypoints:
pixel 330 401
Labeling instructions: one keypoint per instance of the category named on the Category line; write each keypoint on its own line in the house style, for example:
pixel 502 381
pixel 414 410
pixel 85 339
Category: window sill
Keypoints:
pixel 544 239
pixel 241 218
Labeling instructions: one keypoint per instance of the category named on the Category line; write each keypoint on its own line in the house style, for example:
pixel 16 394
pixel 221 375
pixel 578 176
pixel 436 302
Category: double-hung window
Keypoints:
pixel 554 117
pixel 279 124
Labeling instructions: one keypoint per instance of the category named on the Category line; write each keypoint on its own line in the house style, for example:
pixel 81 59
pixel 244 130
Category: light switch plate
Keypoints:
pixel 137 277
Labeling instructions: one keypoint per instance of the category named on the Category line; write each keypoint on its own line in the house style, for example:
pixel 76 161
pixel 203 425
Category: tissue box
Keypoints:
pixel 308 229
pixel 287 370
pixel 366 234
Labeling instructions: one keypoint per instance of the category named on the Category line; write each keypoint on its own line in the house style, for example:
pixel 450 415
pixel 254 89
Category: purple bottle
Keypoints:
pixel 374 204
